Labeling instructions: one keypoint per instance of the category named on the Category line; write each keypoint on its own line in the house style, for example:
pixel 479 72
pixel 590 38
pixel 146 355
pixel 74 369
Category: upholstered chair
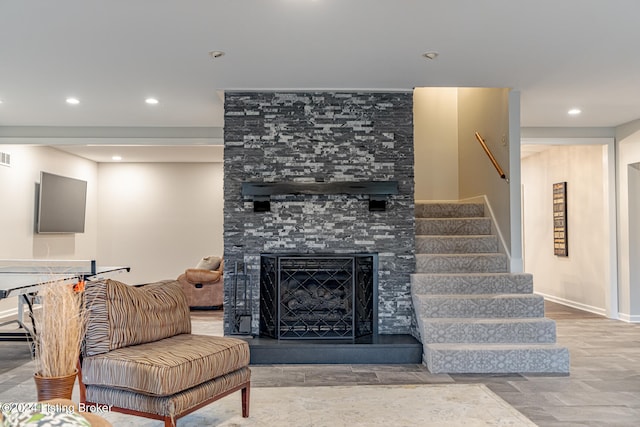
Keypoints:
pixel 140 356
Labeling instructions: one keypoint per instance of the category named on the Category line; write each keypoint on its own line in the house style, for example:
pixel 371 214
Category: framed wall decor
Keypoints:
pixel 560 238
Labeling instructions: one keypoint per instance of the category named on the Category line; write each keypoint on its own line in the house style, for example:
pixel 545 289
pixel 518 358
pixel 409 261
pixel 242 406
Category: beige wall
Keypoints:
pixel 17 216
pixel 159 218
pixel 581 279
pixel 485 110
pixel 435 118
pixel 451 165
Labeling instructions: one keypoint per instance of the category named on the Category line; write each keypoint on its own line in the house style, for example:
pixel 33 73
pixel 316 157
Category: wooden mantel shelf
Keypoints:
pixel 379 188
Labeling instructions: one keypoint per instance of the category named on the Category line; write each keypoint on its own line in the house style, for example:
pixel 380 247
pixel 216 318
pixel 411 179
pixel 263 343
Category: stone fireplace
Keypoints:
pixel 320 141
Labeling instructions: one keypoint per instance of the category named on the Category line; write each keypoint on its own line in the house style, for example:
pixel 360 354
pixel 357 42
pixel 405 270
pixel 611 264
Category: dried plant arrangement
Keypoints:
pixel 59 329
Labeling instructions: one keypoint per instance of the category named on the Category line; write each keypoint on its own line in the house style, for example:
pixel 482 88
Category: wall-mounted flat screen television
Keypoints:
pixel 62 204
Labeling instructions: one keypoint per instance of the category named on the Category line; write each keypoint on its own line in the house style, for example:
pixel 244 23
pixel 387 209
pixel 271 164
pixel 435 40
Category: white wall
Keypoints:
pixel 18 202
pixel 515 184
pixel 435 120
pixel 159 218
pixel 581 279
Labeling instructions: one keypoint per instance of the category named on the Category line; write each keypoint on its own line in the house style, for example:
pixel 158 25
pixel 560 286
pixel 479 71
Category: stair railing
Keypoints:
pixel 491 157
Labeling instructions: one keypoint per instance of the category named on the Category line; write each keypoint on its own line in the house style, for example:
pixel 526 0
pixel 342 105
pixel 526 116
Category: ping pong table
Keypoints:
pixel 23 278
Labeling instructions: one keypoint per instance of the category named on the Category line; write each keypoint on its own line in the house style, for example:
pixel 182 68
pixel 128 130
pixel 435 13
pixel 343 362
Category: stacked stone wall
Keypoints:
pixel 328 137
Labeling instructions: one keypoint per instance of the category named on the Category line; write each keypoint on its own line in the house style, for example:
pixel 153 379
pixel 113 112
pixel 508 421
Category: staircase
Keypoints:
pixel 474 316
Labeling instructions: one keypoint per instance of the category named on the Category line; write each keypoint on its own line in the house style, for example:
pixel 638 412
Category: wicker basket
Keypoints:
pixel 54 387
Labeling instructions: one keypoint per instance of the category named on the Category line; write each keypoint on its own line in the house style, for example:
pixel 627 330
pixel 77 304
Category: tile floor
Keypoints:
pixel 603 388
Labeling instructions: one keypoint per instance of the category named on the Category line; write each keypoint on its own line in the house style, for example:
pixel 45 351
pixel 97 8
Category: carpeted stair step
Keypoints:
pixel 474 316
pixel 461 263
pixel 449 210
pixel 496 358
pixel 452 226
pixel 472 283
pixel 456 244
pixel 479 306
pixel 489 331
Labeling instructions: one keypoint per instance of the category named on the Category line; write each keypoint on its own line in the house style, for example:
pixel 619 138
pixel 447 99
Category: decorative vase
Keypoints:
pixel 54 387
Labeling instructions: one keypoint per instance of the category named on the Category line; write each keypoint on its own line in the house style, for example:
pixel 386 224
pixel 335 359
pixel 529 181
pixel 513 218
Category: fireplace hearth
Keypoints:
pixel 318 296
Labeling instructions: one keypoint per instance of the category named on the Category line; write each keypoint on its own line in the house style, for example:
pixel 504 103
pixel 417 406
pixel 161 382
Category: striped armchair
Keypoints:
pixel 140 357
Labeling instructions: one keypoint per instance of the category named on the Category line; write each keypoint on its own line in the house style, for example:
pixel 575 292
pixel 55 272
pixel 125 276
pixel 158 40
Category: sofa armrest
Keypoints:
pixel 195 275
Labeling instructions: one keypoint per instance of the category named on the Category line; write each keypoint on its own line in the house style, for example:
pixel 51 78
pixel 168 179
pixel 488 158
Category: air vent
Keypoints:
pixel 5 159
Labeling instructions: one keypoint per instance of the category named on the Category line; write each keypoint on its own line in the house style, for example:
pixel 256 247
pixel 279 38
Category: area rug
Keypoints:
pixel 447 405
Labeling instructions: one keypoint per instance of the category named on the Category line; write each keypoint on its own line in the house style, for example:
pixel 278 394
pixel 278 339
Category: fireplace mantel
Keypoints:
pixel 379 188
pixel 260 192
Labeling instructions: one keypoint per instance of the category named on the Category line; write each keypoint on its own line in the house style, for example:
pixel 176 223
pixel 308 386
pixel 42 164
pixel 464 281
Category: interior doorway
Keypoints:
pixel 587 278
pixel 633 176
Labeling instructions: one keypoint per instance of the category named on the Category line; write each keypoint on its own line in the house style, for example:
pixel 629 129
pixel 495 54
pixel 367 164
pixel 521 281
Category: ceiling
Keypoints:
pixel 112 55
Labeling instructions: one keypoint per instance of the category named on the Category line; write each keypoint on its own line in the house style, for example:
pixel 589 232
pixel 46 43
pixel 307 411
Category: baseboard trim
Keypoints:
pixel 574 304
pixel 8 313
pixel 430 201
pixel 629 318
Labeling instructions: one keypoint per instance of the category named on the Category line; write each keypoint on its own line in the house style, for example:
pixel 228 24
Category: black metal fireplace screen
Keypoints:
pixel 318 296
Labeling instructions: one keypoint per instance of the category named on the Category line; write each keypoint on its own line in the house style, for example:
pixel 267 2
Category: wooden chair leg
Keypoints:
pixel 82 388
pixel 245 401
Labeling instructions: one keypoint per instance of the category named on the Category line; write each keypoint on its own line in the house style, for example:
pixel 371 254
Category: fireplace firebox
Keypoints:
pixel 311 296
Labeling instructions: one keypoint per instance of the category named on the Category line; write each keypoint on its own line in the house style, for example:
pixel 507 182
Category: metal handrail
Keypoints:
pixel 493 159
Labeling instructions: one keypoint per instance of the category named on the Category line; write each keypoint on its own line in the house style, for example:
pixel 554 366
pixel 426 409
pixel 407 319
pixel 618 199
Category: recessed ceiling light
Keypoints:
pixel 574 111
pixel 430 55
pixel 116 158
pixel 73 101
pixel 152 101
pixel 216 54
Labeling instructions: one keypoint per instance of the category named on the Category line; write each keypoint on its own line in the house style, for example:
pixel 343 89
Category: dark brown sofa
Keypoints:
pixel 204 287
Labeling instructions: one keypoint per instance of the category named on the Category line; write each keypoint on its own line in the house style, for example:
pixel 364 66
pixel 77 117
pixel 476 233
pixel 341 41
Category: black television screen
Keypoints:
pixel 61 204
